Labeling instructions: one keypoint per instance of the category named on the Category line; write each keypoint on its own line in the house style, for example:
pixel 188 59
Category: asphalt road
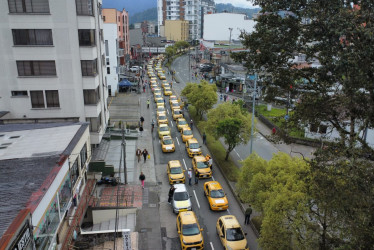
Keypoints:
pixel 207 218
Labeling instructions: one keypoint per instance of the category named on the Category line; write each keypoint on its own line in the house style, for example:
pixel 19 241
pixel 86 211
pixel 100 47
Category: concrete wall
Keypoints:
pixel 110 31
pixel 108 214
pixel 176 30
pixel 216 26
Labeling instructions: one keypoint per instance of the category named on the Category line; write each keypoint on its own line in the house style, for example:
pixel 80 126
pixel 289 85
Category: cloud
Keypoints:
pixel 238 3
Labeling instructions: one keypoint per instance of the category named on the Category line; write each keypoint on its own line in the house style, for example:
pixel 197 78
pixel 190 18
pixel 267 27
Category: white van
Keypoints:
pixel 181 199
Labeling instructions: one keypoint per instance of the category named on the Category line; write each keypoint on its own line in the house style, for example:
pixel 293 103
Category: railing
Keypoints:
pixel 81 209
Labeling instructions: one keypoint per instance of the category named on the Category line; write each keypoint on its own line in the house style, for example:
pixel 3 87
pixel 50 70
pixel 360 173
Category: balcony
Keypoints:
pixel 120 52
pixel 121 70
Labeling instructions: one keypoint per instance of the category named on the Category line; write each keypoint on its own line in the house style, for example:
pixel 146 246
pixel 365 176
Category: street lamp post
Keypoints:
pixel 253 113
pixel 230 36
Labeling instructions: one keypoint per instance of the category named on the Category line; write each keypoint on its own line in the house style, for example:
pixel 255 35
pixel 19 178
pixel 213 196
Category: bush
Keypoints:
pixel 257 222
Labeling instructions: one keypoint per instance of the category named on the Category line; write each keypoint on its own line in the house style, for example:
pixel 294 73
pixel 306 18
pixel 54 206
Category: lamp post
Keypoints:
pixel 230 36
pixel 253 113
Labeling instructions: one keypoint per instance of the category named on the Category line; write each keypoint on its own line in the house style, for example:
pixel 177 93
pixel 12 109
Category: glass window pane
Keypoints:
pixel 37 99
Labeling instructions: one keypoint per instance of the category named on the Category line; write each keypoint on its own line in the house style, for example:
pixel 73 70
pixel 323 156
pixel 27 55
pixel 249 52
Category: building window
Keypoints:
pixel 106 48
pixel 91 96
pixel 104 18
pixel 108 70
pixel 28 6
pixel 83 155
pixel 89 67
pixel 95 123
pixel 37 99
pixel 32 37
pixel 86 37
pixel 19 93
pixel 52 98
pixel 36 68
pixel 74 173
pixel 84 7
pixel 107 61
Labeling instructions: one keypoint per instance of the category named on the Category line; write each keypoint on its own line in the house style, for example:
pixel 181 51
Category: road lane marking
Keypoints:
pixel 167 111
pixel 177 140
pixel 197 201
pixel 213 178
pixel 171 122
pixel 238 155
pixel 228 211
pixel 211 245
pixel 159 141
pixel 185 166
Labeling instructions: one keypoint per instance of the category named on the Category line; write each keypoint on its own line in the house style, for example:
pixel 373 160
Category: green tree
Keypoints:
pixel 181 45
pixel 202 96
pixel 339 91
pixel 170 51
pixel 229 116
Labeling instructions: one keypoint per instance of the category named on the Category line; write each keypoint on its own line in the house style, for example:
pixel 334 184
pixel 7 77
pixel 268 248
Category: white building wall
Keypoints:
pixel 216 26
pixel 159 15
pixel 110 35
pixel 67 55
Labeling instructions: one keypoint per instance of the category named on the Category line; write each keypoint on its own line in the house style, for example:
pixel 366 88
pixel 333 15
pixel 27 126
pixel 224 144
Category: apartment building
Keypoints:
pixel 192 11
pixel 53 63
pixel 117 46
pixel 176 30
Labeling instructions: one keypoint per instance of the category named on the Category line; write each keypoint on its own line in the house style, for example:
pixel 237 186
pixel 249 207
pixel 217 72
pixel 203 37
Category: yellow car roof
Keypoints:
pixel 166 137
pixel 175 163
pixel 230 221
pixel 181 119
pixel 188 217
pixel 193 140
pixel 213 185
pixel 198 158
pixel 185 128
pixel 163 125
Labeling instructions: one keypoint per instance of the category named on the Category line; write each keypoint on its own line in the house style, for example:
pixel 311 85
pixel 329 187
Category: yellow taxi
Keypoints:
pixel 193 147
pixel 167 144
pixel 189 231
pixel 230 233
pixel 175 172
pixel 160 110
pixel 162 119
pixel 200 166
pixel 166 85
pixel 157 89
pixel 164 82
pixel 154 85
pixel 173 98
pixel 153 79
pixel 186 134
pixel 163 130
pixel 158 97
pixel 216 196
pixel 181 123
pixel 162 77
pixel 176 113
pixel 175 105
pixel 160 102
pixel 167 91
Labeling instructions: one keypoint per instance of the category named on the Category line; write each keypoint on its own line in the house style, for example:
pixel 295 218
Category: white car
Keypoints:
pixel 181 199
pixel 135 68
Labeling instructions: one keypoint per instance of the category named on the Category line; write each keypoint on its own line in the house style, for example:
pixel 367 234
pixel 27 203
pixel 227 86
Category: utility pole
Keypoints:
pixel 189 65
pixel 124 155
pixel 230 36
pixel 253 113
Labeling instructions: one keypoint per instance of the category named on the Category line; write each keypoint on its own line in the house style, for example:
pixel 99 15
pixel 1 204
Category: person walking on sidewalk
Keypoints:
pixel 148 102
pixel 189 176
pixel 138 154
pixel 204 138
pixel 142 179
pixel 196 178
pixel 247 214
pixel 171 193
pixel 191 124
pixel 142 120
pixel 145 154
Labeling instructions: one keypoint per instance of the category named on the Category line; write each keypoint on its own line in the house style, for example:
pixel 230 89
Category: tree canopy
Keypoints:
pixel 231 122
pixel 201 95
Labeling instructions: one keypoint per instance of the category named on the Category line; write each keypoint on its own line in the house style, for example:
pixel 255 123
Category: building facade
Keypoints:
pixel 53 63
pixel 192 11
pixel 176 30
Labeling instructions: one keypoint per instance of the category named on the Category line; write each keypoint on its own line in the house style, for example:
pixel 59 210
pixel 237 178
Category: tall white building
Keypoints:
pixel 192 11
pixel 53 63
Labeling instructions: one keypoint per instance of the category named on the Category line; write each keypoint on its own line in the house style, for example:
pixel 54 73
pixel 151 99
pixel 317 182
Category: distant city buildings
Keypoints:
pixel 53 60
pixel 176 30
pixel 192 11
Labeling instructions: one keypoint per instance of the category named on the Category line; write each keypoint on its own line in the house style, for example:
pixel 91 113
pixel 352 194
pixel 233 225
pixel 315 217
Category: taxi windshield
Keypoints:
pixel 164 128
pixel 190 229
pixel 187 132
pixel 160 100
pixel 194 145
pixel 202 164
pixel 161 108
pixel 161 117
pixel 234 234
pixel 182 122
pixel 175 104
pixel 168 141
pixel 177 170
pixel 217 193
pixel 180 196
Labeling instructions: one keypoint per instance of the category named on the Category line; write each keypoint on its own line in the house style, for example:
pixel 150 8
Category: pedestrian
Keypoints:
pixel 143 88
pixel 196 178
pixel 142 120
pixel 248 213
pixel 210 163
pixel 220 97
pixel 141 130
pixel 224 98
pixel 145 154
pixel 171 193
pixel 274 131
pixel 148 102
pixel 142 179
pixel 138 154
pixel 191 124
pixel 204 138
pixel 189 176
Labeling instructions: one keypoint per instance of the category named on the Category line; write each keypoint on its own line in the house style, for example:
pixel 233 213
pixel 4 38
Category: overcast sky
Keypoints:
pixel 237 3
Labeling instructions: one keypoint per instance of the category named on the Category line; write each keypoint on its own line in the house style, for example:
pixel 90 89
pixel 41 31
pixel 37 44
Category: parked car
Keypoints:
pixel 135 68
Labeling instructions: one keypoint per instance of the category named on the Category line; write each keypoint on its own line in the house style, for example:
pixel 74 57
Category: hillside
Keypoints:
pixel 147 15
pixel 222 7
pixel 130 6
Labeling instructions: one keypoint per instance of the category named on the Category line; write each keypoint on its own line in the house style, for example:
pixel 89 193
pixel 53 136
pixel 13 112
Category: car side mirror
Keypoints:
pixel 184 171
pixel 179 232
pixel 201 229
pixel 222 236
